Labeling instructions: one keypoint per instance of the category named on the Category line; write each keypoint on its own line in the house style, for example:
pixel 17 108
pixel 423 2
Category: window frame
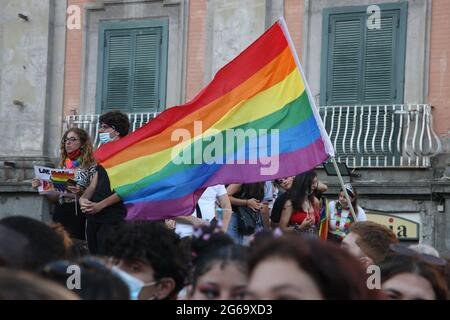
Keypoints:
pixel 399 68
pixel 163 23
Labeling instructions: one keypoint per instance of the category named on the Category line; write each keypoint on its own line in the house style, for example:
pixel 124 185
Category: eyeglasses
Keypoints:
pixel 405 251
pixel 72 139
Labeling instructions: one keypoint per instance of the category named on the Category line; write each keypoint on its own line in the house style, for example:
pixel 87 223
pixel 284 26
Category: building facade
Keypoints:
pixel 379 73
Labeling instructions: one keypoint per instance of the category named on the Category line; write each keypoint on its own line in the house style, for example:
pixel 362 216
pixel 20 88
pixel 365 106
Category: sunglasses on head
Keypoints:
pixel 61 267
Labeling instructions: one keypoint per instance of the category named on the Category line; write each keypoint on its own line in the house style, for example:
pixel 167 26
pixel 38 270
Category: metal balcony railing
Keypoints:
pixel 374 136
pixel 382 136
pixel 90 123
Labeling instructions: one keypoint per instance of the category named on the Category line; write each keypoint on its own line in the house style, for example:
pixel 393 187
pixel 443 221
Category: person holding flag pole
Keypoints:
pixel 327 142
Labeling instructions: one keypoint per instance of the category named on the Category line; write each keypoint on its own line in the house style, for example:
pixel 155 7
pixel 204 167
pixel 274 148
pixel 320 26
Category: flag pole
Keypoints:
pixel 341 181
pixel 326 140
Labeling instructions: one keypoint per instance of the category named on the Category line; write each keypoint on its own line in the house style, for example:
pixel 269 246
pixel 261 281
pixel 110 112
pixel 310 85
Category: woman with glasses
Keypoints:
pixel 75 153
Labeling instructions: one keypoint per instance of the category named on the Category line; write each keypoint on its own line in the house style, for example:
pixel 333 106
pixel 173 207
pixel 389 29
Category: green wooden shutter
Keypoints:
pixel 146 66
pixel 380 79
pixel 117 70
pixel 362 66
pixel 132 66
pixel 346 45
pixel 379 62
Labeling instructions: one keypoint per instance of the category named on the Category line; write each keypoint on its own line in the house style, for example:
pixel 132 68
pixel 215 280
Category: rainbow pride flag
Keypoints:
pixel 59 180
pixel 324 219
pixel 255 121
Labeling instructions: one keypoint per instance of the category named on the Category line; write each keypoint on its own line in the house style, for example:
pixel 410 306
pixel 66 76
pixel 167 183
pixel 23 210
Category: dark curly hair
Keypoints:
pixel 118 120
pixel 152 243
pixel 211 247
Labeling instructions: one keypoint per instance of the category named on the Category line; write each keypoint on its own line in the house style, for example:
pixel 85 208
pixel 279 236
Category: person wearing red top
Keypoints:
pixel 301 210
pixel 298 217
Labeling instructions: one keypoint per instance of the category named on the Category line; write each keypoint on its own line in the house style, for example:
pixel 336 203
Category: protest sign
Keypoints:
pixel 55 181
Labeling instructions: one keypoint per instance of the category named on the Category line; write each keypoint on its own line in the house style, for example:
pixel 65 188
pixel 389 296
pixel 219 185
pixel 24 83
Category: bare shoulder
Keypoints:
pixel 287 204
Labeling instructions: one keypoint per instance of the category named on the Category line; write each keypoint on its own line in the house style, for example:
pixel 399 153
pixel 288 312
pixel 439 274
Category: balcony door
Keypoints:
pixel 363 68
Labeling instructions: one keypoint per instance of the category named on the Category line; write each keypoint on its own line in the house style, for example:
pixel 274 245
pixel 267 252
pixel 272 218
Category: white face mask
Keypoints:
pixel 104 137
pixel 134 284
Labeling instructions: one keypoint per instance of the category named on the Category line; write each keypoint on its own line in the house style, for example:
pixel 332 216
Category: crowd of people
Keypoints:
pixel 278 239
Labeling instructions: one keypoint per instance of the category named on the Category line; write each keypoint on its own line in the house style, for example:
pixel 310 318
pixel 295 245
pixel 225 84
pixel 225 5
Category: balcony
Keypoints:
pixel 375 136
pixel 382 136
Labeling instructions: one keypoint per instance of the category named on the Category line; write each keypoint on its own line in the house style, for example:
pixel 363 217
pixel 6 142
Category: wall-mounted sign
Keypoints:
pixel 404 229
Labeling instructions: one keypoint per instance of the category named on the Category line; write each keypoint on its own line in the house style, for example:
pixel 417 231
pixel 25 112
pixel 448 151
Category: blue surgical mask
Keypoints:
pixel 134 284
pixel 105 137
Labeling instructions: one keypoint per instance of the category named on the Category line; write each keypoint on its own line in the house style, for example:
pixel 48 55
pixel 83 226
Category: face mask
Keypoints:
pixel 134 284
pixel 105 137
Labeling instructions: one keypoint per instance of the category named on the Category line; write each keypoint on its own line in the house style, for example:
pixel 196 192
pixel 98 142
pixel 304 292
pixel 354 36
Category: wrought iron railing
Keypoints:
pixel 380 136
pixel 90 123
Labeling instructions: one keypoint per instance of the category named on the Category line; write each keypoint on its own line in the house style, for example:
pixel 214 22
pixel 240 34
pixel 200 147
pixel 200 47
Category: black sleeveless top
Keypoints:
pixel 112 214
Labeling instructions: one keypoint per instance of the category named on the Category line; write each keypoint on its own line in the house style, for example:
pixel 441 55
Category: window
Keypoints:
pixel 362 70
pixel 360 65
pixel 132 66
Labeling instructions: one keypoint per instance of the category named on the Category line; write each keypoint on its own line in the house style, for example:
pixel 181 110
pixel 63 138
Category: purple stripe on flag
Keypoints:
pixel 290 164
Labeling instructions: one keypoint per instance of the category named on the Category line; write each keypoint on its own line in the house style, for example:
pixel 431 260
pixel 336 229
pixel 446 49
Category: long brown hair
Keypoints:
pixel 301 190
pixel 87 153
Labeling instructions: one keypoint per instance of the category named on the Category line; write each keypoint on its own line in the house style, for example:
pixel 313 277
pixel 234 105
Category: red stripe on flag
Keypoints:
pixel 271 43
